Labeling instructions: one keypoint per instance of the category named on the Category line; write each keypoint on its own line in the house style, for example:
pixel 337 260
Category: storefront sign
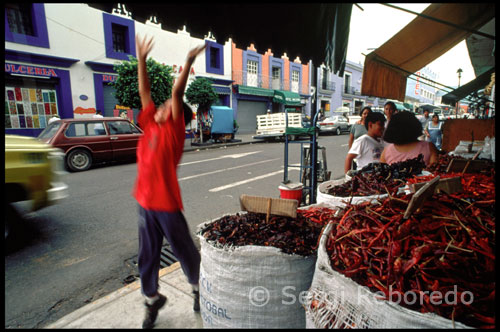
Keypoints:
pixel 109 78
pixel 178 70
pixel 29 70
pixel 417 86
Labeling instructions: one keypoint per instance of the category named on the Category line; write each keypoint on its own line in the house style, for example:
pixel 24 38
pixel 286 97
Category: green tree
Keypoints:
pixel 200 92
pixel 127 86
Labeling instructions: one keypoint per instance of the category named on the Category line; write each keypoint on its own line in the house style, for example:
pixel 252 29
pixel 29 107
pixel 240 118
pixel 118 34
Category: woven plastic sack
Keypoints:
pixel 252 286
pixel 340 302
pixel 336 201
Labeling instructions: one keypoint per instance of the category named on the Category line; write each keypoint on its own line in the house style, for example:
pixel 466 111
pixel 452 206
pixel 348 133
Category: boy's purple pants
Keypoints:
pixel 153 226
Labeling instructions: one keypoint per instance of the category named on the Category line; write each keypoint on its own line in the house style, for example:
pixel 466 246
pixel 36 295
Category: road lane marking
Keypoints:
pixel 233 156
pixel 234 184
pixel 225 169
pixel 344 145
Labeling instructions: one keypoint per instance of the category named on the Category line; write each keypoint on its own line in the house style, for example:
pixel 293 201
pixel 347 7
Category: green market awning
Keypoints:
pixel 250 90
pixel 287 98
pixel 408 106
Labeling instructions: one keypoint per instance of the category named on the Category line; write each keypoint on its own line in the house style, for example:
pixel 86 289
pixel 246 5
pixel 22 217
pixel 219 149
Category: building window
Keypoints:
pixel 347 83
pixel 119 35
pixel 295 80
pixel 19 18
pixel 324 78
pixel 252 73
pixel 276 83
pixel 214 55
pixel 25 23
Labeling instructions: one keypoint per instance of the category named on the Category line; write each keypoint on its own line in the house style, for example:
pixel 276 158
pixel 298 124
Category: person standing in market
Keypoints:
pixel 157 189
pixel 433 131
pixel 367 148
pixel 358 129
pixel 424 120
pixel 402 135
pixel 389 110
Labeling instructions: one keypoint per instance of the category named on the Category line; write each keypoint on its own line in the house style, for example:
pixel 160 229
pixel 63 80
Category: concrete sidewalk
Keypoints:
pixel 124 308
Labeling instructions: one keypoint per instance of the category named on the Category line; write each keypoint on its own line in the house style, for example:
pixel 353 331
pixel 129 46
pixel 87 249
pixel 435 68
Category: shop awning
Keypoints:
pixel 477 84
pixel 222 90
pixel 419 43
pixel 287 98
pixel 408 106
pixel 250 90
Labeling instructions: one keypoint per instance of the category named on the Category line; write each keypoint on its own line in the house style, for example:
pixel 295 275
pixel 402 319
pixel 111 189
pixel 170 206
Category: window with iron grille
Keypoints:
pixel 19 18
pixel 119 35
pixel 252 67
pixel 276 73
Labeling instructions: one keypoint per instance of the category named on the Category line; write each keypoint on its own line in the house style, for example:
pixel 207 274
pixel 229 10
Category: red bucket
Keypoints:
pixel 291 191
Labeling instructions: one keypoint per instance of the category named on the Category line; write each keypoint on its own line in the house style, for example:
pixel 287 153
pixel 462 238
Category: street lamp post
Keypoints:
pixel 459 72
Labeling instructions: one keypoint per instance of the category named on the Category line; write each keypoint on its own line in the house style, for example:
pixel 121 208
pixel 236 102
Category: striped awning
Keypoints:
pixel 222 90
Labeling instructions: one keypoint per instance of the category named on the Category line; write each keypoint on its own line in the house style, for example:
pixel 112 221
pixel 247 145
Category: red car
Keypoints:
pixel 94 140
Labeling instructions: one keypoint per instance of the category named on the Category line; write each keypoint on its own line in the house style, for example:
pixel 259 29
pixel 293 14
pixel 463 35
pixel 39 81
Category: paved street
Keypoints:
pixel 80 250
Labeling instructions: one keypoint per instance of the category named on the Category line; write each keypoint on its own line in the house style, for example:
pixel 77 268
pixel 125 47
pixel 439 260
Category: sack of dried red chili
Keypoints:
pixel 253 272
pixel 377 270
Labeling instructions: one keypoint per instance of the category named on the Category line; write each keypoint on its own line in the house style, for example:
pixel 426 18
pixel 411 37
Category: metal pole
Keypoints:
pixel 314 159
pixel 285 173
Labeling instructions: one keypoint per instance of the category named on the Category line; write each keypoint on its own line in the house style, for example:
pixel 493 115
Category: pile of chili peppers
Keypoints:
pixel 379 178
pixel 293 236
pixel 448 245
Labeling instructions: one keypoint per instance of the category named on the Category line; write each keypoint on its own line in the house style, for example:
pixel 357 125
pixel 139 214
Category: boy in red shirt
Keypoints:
pixel 157 190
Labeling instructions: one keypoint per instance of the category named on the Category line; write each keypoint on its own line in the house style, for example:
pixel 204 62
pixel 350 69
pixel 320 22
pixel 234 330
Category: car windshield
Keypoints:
pixel 50 130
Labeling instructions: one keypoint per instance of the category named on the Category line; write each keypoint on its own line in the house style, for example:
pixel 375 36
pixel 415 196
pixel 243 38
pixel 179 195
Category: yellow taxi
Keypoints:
pixel 33 171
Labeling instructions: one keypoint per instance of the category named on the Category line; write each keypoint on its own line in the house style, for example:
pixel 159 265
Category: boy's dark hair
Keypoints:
pixel 403 128
pixel 188 113
pixel 373 117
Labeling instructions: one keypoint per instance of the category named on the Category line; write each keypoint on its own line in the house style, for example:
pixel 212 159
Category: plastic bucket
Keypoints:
pixel 291 191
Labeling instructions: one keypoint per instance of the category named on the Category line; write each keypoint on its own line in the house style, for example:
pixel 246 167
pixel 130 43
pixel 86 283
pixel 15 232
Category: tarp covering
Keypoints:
pixel 477 84
pixel 311 31
pixel 223 120
pixel 419 43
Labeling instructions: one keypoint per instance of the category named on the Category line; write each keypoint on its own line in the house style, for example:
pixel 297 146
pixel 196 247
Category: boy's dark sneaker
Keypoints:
pixel 152 312
pixel 196 305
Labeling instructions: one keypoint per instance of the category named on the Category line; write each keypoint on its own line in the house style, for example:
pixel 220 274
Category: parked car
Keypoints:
pixel 33 173
pixel 334 124
pixel 95 140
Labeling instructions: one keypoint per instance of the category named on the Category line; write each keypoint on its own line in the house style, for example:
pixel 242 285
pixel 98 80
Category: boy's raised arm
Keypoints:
pixel 180 83
pixel 143 49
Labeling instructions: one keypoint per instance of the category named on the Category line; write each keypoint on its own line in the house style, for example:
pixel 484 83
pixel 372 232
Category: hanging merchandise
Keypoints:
pixel 29 107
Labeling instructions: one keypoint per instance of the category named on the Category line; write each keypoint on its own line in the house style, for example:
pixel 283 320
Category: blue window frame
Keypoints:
pixel 38 35
pixel 117 27
pixel 214 57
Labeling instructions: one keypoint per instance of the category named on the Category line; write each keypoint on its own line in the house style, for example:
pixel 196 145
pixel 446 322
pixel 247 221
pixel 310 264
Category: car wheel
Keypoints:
pixel 337 132
pixel 79 160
